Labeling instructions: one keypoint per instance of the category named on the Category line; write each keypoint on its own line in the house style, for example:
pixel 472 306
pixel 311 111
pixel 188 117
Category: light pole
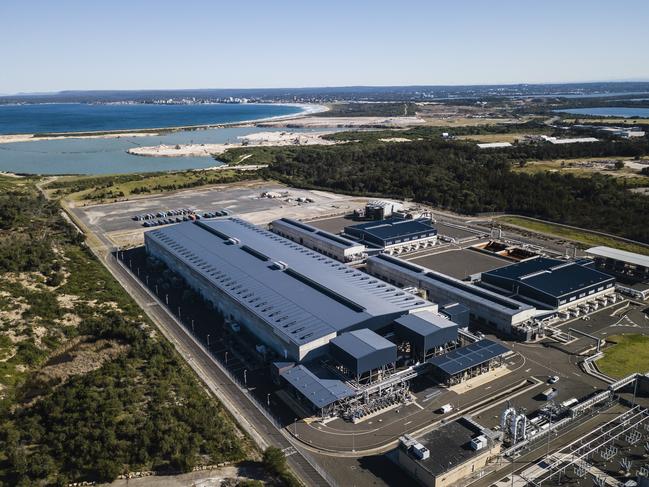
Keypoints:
pixel 295 427
pixel 156 289
pixel 245 377
pixel 167 299
pixel 179 317
pixel 226 357
pixel 208 340
pixel 138 272
pixel 268 399
pixel 192 326
pixel 147 280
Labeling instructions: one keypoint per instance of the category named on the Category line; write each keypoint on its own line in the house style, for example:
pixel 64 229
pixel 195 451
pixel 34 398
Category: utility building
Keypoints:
pixel 363 354
pixel 395 235
pixel 427 333
pixel 290 298
pixel 326 243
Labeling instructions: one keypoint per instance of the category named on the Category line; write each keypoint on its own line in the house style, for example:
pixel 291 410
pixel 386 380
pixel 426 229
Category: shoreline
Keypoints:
pixel 307 110
pixel 256 139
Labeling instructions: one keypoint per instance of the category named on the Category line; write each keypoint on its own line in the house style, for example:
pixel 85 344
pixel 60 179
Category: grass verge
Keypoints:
pixel 628 354
pixel 587 239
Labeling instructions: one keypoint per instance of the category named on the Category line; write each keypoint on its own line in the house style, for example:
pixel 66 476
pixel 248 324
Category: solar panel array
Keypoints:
pixel 465 358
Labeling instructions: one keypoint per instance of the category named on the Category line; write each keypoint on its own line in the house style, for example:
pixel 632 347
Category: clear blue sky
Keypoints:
pixel 53 45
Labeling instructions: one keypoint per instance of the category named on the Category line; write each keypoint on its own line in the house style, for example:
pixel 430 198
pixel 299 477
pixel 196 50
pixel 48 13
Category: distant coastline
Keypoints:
pixel 306 109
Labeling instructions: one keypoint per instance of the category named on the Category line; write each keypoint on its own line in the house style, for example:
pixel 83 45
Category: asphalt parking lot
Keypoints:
pixel 116 219
pixel 455 232
pixel 458 263
pixel 334 225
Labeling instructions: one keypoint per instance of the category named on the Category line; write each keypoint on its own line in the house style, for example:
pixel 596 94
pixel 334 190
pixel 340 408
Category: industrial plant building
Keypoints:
pixel 334 246
pixel 292 299
pixel 630 269
pixel 427 334
pixel 347 343
pixel 553 284
pixel 395 235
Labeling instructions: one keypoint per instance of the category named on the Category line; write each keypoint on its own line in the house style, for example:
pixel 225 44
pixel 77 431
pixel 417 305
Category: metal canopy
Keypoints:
pixel 319 392
pixel 621 255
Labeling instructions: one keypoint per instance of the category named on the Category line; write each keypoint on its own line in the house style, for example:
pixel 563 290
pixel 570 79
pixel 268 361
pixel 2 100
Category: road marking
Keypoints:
pixel 415 403
pixel 527 370
pixel 407 423
pixel 289 450
pixel 578 375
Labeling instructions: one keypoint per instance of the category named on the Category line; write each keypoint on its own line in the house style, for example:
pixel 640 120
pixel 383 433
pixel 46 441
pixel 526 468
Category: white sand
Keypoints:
pixel 8 139
pixel 251 140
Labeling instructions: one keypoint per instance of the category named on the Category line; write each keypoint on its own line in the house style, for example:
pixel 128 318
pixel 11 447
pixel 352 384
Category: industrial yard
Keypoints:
pixel 449 347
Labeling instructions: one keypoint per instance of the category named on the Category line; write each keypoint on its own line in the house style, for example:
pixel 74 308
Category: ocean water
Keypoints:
pixel 79 117
pixel 609 112
pixel 109 156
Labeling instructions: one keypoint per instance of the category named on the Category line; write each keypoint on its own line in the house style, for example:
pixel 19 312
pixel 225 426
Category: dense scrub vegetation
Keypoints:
pixel 132 405
pixel 458 176
pixel 370 110
pixel 120 186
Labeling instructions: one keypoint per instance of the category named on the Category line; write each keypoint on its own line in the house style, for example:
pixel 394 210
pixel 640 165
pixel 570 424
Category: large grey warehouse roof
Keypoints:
pixel 300 293
pixel 328 237
pixel 464 358
pixel 487 298
pixel 551 276
pixel 621 255
pixel 320 392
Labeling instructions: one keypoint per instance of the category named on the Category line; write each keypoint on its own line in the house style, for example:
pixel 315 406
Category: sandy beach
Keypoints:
pixel 252 140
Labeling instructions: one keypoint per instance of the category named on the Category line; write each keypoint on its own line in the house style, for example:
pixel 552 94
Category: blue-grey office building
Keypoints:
pixel 292 299
pixel 395 235
pixel 551 283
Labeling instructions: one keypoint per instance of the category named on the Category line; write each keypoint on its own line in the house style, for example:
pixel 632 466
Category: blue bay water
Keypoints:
pixel 79 117
pixel 625 112
pixel 109 156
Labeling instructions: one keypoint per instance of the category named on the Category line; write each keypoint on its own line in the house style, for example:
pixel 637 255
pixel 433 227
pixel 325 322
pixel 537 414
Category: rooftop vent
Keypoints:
pixel 279 265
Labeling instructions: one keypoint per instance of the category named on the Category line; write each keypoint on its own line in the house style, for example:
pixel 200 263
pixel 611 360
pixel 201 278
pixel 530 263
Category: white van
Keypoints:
pixel 446 408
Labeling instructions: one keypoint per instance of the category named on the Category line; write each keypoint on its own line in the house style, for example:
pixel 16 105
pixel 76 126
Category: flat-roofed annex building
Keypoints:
pixel 292 299
pixel 326 243
pixel 395 235
pixel 486 307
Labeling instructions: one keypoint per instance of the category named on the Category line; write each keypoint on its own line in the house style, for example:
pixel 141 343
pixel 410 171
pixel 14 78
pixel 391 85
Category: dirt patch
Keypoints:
pixel 81 357
pixel 29 280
